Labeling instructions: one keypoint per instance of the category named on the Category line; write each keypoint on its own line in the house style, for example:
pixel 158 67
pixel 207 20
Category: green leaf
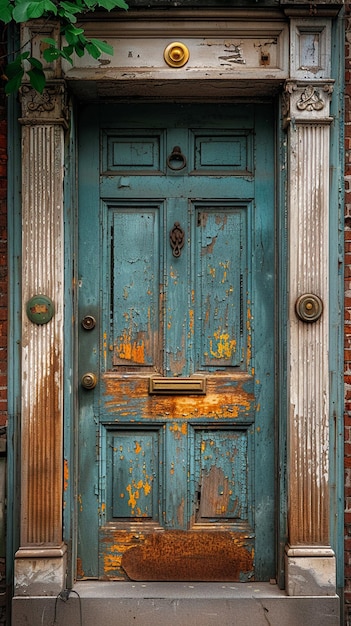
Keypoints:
pixel 72 34
pixel 51 54
pixel 67 12
pixel 14 83
pixel 20 12
pixel 67 52
pixel 93 50
pixel 31 9
pixel 37 79
pixel 16 66
pixel 49 40
pixel 50 7
pixel 35 63
pixel 112 4
pixel 79 49
pixel 39 7
pixel 69 7
pixel 5 11
pixel 102 46
pixel 69 17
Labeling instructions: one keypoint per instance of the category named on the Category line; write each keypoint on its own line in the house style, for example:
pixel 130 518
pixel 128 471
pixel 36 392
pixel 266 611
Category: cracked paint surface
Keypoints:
pixel 175 488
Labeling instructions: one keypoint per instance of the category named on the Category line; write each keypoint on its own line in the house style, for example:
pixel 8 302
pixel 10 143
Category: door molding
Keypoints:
pixel 306 103
pixel 310 561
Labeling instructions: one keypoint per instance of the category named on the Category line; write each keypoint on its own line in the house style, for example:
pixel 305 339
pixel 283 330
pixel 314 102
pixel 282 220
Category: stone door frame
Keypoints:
pixel 306 85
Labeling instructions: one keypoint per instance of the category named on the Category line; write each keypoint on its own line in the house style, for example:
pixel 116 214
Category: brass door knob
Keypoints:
pixel 89 380
pixel 88 322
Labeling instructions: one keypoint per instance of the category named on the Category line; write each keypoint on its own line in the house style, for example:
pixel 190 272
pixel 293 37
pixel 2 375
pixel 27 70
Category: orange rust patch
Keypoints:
pixel 113 543
pixel 191 323
pixel 42 450
pixel 137 448
pixel 179 429
pixel 131 350
pixel 65 474
pixel 80 571
pixel 189 556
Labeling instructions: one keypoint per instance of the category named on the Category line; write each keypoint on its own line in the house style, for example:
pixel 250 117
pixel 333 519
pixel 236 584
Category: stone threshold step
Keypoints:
pixel 92 603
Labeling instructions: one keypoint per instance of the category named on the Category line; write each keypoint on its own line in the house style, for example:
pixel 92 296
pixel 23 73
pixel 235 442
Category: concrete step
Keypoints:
pixel 93 603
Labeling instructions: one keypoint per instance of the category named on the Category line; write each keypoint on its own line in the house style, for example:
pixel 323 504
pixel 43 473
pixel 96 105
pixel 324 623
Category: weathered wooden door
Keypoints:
pixel 176 321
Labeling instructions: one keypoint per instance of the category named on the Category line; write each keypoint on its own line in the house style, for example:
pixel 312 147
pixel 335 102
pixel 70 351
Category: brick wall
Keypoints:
pixel 3 328
pixel 3 262
pixel 348 315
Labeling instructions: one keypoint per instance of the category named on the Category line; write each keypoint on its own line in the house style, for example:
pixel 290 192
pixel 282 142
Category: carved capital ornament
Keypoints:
pixel 46 107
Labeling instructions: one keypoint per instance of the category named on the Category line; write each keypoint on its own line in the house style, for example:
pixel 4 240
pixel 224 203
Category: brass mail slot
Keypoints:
pixel 183 386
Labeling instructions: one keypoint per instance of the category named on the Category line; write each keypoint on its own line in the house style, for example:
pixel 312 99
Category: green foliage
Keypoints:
pixel 75 41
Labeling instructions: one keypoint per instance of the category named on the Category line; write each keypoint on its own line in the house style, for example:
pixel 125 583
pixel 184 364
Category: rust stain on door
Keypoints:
pixel 190 556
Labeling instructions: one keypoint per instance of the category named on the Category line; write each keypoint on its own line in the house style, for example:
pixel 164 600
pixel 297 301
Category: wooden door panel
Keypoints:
pixel 223 477
pixel 221 152
pixel 130 152
pixel 221 286
pixel 169 477
pixel 132 470
pixel 133 284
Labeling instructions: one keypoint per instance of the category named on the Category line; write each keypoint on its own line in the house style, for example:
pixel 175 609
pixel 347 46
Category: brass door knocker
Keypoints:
pixel 176 160
pixel 176 238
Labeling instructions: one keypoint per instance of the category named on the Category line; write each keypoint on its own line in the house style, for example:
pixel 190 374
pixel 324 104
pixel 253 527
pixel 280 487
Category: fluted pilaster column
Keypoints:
pixel 310 562
pixel 40 561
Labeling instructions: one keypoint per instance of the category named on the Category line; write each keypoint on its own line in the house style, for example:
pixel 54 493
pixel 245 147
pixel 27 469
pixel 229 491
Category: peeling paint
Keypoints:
pixel 179 429
pixel 130 350
pixel 225 345
pixel 198 471
pixel 226 397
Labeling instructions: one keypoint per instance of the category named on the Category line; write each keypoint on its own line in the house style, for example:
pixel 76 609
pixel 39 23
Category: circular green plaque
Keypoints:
pixel 40 309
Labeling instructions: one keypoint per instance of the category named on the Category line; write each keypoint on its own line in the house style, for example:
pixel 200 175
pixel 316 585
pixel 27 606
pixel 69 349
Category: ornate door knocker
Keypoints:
pixel 176 238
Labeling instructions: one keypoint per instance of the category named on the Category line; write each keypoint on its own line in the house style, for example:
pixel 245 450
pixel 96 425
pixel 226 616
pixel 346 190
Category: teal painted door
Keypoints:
pixel 176 266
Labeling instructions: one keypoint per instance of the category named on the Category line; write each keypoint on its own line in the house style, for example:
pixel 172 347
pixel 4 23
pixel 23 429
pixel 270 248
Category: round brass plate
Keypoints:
pixel 40 309
pixel 309 307
pixel 176 54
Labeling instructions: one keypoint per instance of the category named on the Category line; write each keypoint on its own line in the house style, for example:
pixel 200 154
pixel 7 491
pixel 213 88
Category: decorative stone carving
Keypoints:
pixel 50 106
pixel 310 100
pixel 306 101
